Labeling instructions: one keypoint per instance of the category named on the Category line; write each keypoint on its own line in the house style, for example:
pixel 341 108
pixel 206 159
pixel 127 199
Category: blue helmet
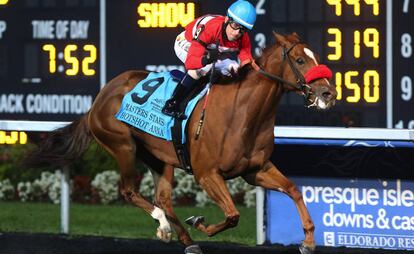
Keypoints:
pixel 243 13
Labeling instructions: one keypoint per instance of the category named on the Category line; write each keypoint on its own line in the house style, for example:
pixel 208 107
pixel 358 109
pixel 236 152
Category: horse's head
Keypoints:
pixel 300 71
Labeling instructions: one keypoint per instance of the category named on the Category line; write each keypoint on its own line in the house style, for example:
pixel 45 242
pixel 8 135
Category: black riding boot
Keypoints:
pixel 172 106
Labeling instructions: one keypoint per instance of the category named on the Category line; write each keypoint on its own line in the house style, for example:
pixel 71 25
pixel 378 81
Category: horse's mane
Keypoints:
pixel 266 52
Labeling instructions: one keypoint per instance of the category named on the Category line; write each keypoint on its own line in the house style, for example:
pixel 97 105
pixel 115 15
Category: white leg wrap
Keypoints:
pixel 159 215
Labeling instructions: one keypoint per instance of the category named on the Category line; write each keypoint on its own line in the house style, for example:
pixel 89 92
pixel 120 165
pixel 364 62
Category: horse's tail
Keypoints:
pixel 62 146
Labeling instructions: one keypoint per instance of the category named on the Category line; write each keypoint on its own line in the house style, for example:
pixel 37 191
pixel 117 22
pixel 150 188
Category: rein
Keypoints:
pixel 300 85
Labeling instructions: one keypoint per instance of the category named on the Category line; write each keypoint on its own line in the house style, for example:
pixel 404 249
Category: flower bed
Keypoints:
pixel 104 188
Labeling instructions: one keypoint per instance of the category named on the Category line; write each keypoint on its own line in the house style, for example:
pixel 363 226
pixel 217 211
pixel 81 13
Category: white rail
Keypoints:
pixel 9 125
pixel 280 131
pixel 344 133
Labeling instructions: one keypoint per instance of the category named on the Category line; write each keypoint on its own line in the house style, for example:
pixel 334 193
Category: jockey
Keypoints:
pixel 196 48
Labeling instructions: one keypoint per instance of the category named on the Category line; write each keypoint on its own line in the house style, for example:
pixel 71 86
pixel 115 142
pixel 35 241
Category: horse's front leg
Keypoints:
pixel 216 188
pixel 163 198
pixel 269 177
pixel 130 189
pixel 125 156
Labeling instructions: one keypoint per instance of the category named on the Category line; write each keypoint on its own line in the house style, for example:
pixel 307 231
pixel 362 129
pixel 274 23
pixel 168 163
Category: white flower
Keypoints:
pixel 186 185
pixel 106 184
pixel 146 187
pixel 250 198
pixel 54 192
pixel 6 190
pixel 24 189
pixel 48 185
pixel 237 185
pixel 202 199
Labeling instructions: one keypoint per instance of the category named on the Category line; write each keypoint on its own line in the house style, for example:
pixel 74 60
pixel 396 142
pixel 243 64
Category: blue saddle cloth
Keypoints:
pixel 141 107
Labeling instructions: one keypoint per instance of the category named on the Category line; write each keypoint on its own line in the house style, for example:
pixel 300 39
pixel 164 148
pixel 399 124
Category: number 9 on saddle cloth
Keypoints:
pixel 141 107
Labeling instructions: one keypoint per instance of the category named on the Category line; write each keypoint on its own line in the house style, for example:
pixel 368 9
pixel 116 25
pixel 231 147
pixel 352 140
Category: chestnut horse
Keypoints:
pixel 236 139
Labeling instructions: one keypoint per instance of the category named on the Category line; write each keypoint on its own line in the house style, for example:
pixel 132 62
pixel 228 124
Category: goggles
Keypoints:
pixel 236 26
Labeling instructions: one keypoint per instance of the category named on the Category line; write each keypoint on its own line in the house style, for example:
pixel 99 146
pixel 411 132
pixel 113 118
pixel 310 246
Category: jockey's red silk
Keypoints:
pixel 209 35
pixel 317 72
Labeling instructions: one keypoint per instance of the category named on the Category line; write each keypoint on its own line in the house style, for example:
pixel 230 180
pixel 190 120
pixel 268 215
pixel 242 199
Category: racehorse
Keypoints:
pixel 236 140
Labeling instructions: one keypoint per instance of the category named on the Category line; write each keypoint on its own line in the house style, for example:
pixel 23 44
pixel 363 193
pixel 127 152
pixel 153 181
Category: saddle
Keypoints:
pixel 141 108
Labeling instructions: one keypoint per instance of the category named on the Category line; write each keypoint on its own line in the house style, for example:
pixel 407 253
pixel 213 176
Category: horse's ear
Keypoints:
pixel 279 38
pixel 296 36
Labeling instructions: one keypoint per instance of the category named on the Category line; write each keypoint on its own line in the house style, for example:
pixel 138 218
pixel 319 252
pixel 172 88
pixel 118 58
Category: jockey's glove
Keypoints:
pixel 211 56
pixel 227 67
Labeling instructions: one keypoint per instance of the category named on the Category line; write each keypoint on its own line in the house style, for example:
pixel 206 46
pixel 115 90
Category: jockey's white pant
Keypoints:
pixel 181 48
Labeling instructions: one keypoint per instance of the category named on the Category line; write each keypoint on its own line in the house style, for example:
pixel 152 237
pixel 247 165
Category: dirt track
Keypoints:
pixel 22 243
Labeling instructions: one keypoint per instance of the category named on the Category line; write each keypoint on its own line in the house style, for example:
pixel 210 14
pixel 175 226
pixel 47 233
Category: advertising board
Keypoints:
pixel 346 212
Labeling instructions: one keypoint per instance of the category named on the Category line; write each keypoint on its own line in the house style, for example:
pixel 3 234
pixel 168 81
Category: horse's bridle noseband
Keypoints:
pixel 301 84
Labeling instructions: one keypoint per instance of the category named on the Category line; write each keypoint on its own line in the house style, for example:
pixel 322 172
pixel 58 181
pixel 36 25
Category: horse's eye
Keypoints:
pixel 300 61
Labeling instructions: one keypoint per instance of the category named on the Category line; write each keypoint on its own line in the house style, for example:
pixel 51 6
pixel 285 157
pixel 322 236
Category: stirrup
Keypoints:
pixel 193 249
pixel 194 220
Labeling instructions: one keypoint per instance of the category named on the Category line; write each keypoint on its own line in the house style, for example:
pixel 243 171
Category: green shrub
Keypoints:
pixel 95 160
pixel 11 166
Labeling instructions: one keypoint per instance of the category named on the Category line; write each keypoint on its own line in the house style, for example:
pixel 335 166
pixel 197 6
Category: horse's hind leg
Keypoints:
pixel 217 190
pixel 269 177
pixel 119 143
pixel 163 198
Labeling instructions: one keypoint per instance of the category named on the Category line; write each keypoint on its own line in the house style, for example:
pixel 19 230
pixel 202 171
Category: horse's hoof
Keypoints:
pixel 164 235
pixel 193 249
pixel 304 249
pixel 194 220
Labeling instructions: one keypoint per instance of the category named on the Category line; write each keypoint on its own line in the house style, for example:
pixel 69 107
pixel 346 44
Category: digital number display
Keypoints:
pixel 77 66
pixel 13 137
pixel 49 59
pixel 363 38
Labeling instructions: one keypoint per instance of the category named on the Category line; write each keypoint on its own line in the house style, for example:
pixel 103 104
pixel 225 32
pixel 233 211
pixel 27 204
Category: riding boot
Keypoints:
pixel 172 106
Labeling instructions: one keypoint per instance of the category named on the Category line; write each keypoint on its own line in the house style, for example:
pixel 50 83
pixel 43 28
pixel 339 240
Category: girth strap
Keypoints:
pixel 180 148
